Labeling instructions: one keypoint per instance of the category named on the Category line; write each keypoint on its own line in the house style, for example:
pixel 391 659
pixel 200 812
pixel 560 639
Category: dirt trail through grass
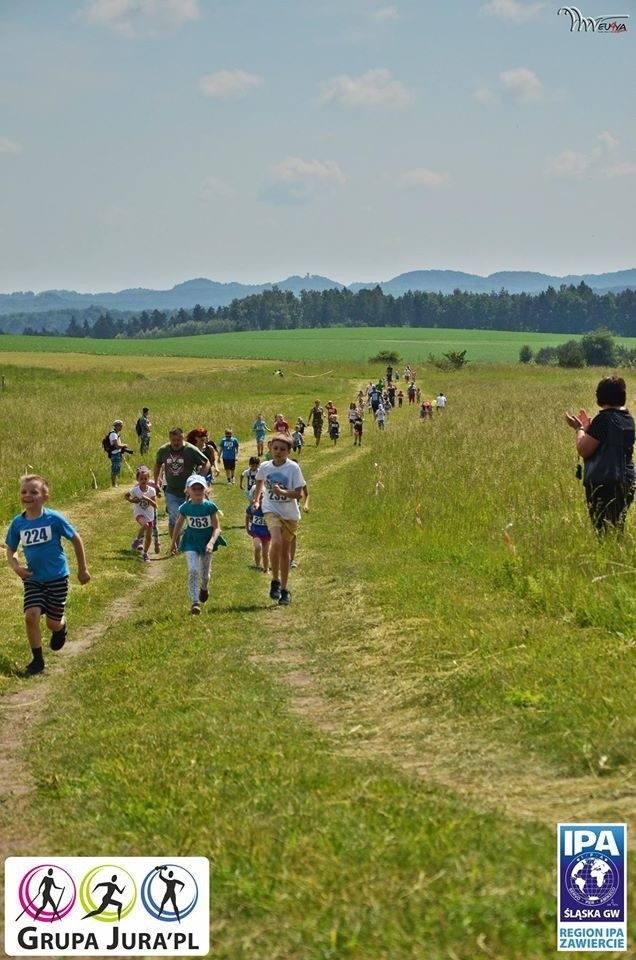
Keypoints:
pixel 25 706
pixel 457 755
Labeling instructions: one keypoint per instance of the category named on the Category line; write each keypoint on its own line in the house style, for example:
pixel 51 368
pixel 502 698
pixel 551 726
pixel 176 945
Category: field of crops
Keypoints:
pixel 375 771
pixel 348 345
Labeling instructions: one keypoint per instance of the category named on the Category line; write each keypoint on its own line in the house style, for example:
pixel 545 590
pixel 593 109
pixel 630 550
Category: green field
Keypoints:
pixel 350 344
pixel 375 772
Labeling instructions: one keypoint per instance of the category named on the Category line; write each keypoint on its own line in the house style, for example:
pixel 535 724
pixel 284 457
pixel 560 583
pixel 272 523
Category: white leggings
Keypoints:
pixel 199 571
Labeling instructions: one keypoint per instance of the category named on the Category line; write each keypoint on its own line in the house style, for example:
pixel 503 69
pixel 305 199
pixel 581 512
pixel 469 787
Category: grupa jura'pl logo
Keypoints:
pixel 108 893
pixel 46 893
pixel 592 879
pixel 612 23
pixel 169 893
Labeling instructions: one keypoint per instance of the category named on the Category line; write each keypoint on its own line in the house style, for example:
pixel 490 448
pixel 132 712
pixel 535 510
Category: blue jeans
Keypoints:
pixel 173 502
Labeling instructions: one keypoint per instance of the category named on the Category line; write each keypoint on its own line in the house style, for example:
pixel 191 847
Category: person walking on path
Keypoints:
pixel 316 418
pixel 178 460
pixel 39 531
pixel 142 429
pixel 117 450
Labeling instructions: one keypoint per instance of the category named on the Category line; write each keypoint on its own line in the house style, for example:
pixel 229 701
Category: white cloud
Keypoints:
pixel 135 18
pixel 608 142
pixel 375 88
pixel 423 177
pixel 569 163
pixel 295 180
pixel 573 163
pixel 485 95
pixel 620 170
pixel 386 14
pixel 523 84
pixel 9 146
pixel 225 84
pixel 214 187
pixel 513 10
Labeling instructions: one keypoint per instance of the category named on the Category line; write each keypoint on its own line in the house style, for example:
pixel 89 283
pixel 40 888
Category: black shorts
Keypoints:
pixel 49 596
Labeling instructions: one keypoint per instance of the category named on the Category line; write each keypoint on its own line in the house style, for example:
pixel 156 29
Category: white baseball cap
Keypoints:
pixel 196 479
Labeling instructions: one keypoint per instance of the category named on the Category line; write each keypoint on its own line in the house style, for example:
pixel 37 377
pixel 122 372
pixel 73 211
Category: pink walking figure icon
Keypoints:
pixel 47 884
pixel 170 894
pixel 107 900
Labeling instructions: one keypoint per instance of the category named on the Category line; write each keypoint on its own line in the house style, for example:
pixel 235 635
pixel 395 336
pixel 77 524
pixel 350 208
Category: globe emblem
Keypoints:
pixel 592 880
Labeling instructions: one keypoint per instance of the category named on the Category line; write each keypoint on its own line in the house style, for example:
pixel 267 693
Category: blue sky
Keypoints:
pixel 146 142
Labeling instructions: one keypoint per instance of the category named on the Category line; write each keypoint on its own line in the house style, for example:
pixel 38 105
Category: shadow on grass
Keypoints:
pixel 243 607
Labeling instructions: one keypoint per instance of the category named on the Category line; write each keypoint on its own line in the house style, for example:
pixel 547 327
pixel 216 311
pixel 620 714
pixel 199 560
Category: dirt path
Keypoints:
pixel 23 708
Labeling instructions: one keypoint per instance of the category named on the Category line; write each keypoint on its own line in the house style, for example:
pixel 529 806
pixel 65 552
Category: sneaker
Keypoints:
pixel 274 590
pixel 203 595
pixel 58 638
pixel 33 668
pixel 145 558
pixel 196 609
pixel 137 544
pixel 285 598
pixel 294 563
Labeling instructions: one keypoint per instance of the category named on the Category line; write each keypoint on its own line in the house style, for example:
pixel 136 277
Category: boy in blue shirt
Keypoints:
pixel 39 532
pixel 229 447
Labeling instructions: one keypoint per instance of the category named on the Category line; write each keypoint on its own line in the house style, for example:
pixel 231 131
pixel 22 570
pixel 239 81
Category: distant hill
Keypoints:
pixel 211 293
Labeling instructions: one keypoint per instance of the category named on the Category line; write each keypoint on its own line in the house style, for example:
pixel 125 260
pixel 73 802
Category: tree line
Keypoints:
pixel 570 309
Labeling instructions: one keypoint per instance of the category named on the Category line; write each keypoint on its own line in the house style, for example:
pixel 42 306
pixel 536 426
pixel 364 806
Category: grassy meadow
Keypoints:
pixel 344 344
pixel 375 772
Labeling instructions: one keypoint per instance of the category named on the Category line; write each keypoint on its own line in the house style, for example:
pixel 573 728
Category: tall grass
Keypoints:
pixel 375 771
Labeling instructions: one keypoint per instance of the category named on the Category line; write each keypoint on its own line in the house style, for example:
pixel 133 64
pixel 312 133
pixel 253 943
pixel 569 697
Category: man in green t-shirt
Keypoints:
pixel 178 460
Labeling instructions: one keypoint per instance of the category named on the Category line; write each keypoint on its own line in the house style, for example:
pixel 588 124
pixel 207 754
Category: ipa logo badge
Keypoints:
pixel 592 886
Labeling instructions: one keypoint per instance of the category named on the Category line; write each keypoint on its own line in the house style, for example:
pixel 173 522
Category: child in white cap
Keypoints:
pixel 199 517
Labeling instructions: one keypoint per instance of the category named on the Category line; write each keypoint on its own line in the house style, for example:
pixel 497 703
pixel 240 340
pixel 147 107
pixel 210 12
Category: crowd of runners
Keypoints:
pixel 181 475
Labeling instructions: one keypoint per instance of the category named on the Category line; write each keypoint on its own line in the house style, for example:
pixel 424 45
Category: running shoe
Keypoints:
pixel 294 563
pixel 203 595
pixel 137 544
pixel 274 590
pixel 196 609
pixel 36 666
pixel 285 598
pixel 58 638
pixel 145 558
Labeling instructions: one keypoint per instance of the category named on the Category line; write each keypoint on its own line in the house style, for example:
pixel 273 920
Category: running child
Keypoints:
pixel 248 477
pixel 357 430
pixel 279 487
pixel 144 500
pixel 260 432
pixel 261 537
pixel 334 429
pixel 229 447
pixel 297 441
pixel 200 518
pixel 39 531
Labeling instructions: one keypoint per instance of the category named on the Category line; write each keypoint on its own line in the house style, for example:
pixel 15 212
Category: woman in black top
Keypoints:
pixel 606 444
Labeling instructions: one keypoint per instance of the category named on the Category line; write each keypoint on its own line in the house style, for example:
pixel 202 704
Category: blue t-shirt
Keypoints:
pixel 41 541
pixel 198 528
pixel 260 429
pixel 258 527
pixel 229 448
